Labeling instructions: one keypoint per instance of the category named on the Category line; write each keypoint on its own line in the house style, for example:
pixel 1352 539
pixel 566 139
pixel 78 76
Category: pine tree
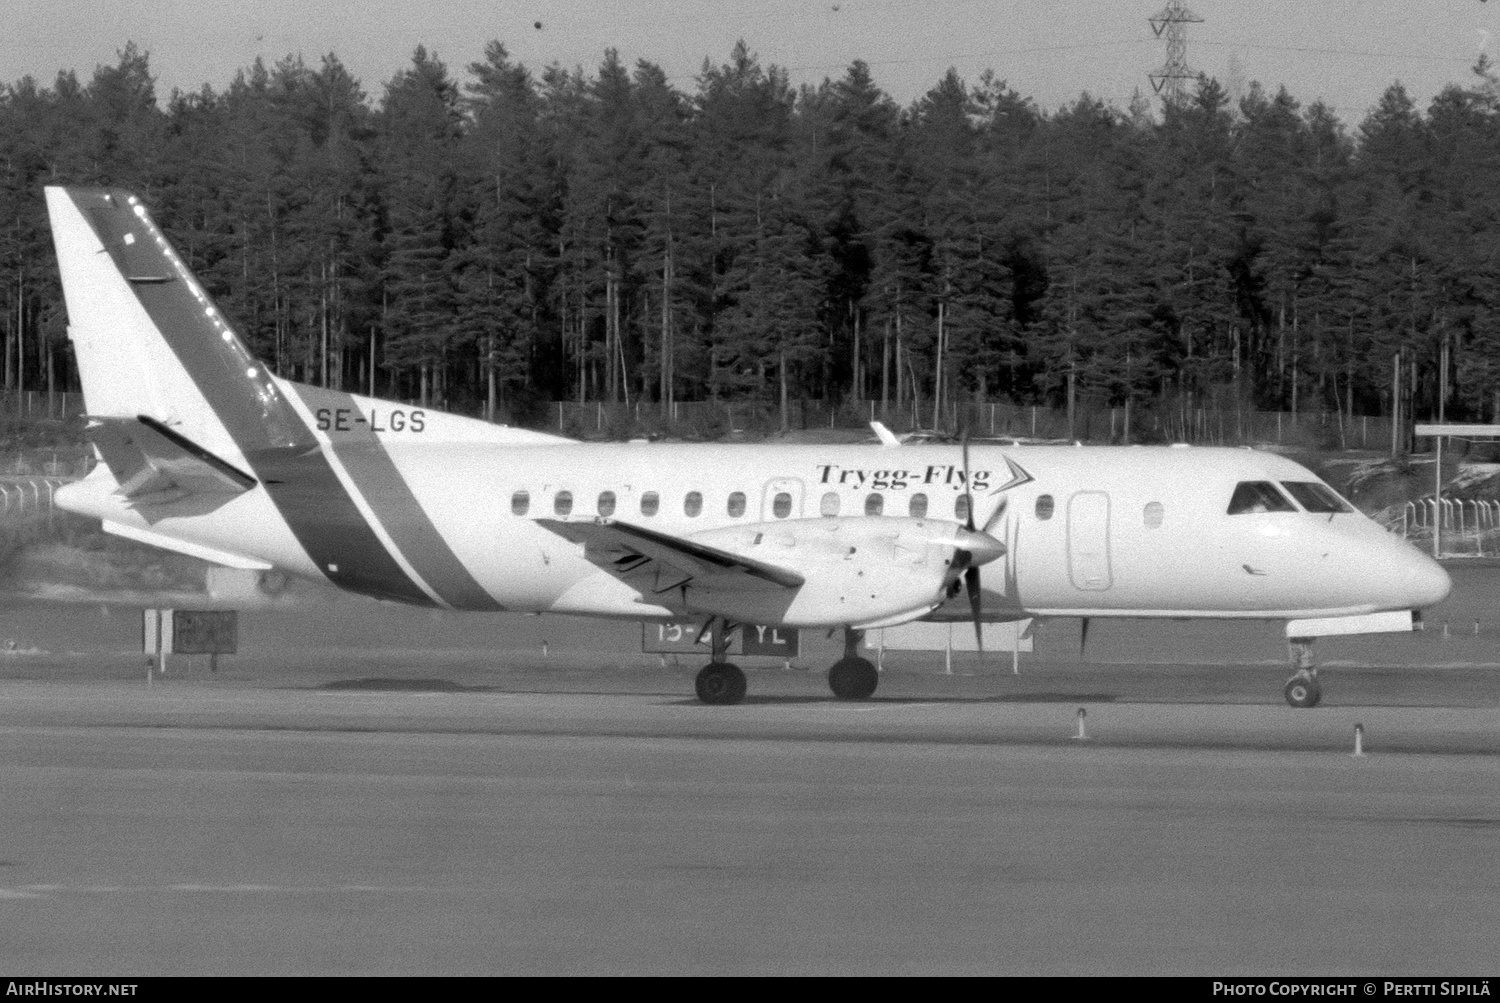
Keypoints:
pixel 499 272
pixel 419 124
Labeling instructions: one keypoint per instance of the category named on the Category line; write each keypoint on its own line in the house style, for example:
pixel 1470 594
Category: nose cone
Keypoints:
pixel 1423 581
pixel 982 547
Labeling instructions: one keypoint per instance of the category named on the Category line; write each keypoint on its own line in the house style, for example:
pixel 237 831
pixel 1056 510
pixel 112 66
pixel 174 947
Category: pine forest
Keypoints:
pixel 497 239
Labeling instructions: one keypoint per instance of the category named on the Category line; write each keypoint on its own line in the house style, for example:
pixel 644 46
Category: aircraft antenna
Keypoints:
pixel 1171 22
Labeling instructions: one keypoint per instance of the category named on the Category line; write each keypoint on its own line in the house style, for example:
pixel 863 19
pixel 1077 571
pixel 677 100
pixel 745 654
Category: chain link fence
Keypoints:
pixel 41 404
pixel 1218 426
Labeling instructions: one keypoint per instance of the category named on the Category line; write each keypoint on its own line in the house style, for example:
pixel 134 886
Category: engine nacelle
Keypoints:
pixel 859 570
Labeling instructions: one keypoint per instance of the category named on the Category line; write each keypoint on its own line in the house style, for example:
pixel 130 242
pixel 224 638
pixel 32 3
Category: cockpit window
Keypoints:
pixel 1258 496
pixel 1316 497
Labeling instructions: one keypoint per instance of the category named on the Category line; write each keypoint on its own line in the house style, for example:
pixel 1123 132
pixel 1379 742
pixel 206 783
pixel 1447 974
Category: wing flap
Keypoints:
pixel 623 549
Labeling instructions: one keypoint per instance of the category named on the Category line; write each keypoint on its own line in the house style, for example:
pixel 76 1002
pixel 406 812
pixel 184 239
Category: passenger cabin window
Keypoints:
pixel 1316 497
pixel 917 507
pixel 650 502
pixel 1044 507
pixel 830 504
pixel 520 502
pixel 1258 496
pixel 961 508
pixel 736 504
pixel 692 504
pixel 606 503
pixel 781 505
pixel 1153 514
pixel 562 503
pixel 874 504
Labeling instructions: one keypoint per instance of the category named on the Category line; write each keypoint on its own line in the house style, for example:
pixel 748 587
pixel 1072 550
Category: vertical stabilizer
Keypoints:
pixel 150 341
pixel 187 417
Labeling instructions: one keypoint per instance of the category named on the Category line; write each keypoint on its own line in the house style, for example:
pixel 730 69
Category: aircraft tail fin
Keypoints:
pixel 151 343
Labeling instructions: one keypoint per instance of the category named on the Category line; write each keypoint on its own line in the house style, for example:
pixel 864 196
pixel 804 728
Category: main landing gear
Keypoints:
pixel 1302 690
pixel 719 682
pixel 852 677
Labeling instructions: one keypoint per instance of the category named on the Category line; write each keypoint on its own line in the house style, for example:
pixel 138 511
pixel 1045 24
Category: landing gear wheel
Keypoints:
pixel 720 684
pixel 853 679
pixel 1303 691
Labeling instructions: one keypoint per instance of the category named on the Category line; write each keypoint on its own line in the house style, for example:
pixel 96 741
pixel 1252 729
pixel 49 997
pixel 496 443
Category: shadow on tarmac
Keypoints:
pixel 407 685
pixel 773 701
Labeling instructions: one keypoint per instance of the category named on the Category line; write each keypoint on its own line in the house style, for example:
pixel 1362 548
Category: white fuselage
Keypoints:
pixel 1089 531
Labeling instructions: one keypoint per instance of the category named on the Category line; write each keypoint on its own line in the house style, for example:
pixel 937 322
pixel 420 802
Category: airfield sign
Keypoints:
pixel 670 638
pixel 189 632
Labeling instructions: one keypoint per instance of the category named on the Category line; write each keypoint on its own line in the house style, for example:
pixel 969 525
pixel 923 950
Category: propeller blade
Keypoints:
pixel 989 524
pixel 971 584
pixel 971 571
pixel 964 559
pixel 968 497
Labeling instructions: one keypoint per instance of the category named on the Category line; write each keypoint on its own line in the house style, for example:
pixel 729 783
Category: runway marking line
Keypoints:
pixel 46 891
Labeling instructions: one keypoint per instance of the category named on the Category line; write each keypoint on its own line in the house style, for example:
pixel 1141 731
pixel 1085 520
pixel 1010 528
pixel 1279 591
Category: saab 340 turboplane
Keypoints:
pixel 206 452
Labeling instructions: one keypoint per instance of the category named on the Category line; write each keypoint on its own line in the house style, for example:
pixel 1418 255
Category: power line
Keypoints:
pixel 971 55
pixel 1417 57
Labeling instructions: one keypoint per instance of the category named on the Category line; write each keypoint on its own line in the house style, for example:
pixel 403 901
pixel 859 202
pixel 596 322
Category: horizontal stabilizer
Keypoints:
pixel 164 542
pixel 152 463
pixel 627 551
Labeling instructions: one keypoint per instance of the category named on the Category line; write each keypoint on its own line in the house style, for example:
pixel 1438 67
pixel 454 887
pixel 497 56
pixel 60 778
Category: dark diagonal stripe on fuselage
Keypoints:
pixel 390 498
pixel 281 450
pixel 330 527
pixel 410 528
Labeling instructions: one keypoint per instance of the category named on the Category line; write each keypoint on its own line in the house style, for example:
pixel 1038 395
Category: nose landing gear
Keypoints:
pixel 1302 690
pixel 852 677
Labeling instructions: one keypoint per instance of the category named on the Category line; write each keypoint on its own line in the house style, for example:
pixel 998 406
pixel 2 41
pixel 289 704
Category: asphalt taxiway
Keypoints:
pixel 357 807
pixel 216 828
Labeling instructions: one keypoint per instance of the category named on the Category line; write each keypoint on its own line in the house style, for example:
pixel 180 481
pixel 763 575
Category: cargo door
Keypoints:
pixel 1088 541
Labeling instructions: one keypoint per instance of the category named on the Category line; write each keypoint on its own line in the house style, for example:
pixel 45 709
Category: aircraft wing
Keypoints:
pixel 154 464
pixel 625 551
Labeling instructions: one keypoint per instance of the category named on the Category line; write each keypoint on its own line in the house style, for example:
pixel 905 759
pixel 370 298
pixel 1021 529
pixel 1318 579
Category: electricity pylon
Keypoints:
pixel 1171 20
